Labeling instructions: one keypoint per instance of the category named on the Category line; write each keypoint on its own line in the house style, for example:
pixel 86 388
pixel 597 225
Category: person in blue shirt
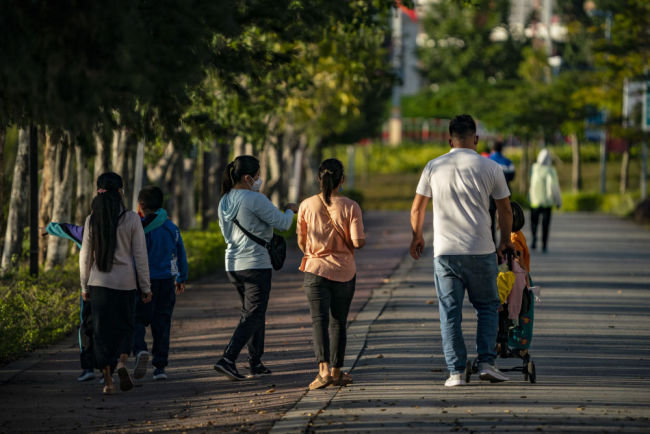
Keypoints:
pixel 168 274
pixel 508 171
pixel 505 163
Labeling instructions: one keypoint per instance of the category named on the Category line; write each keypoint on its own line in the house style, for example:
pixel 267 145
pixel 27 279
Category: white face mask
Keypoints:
pixel 257 184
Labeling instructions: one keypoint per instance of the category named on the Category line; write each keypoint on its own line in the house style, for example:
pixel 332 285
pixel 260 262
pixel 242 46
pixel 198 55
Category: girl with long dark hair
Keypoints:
pixel 113 263
pixel 247 263
pixel 330 228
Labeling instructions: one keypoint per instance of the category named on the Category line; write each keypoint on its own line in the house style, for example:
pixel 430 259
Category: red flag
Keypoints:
pixel 410 12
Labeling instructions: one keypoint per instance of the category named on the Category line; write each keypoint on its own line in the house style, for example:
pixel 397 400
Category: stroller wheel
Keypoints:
pixel 532 375
pixel 468 371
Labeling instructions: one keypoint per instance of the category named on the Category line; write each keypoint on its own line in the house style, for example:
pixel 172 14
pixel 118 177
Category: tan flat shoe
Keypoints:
pixel 109 390
pixel 320 382
pixel 342 380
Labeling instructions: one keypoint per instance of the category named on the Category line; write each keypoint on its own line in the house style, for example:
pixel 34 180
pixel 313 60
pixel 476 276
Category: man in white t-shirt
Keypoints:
pixel 460 184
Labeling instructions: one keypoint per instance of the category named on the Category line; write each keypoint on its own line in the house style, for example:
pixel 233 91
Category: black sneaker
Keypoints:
pixel 228 368
pixel 259 369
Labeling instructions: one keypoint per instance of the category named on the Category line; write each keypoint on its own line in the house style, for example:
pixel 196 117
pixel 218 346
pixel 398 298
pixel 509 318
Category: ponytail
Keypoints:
pixel 236 170
pixel 330 174
pixel 107 207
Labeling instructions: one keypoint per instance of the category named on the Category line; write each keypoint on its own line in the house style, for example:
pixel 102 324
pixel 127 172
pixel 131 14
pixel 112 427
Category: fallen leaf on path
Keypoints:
pixel 270 391
pixel 380 356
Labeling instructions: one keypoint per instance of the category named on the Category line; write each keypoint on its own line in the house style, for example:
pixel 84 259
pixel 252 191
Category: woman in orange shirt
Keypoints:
pixel 329 229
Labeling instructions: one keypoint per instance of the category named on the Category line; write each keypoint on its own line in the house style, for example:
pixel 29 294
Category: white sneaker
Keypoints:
pixel 490 373
pixel 455 380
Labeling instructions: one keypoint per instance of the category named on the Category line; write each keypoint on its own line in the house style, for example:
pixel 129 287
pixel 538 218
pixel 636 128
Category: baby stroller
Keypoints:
pixel 515 323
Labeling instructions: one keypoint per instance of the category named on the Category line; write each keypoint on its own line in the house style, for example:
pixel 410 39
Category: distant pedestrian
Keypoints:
pixel 247 263
pixel 112 263
pixel 544 194
pixel 506 164
pixel 168 274
pixel 508 171
pixel 330 227
pixel 460 184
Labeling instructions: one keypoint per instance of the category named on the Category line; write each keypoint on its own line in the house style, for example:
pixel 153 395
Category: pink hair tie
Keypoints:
pixel 101 190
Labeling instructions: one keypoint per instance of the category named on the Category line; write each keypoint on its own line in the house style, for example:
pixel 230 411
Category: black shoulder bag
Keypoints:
pixel 277 247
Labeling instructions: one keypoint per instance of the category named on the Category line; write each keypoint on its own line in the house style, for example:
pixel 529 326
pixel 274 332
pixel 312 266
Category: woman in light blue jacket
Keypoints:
pixel 247 263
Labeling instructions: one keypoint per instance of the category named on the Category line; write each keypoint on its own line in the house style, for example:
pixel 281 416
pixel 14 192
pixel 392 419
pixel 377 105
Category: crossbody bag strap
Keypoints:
pixel 255 238
pixel 336 228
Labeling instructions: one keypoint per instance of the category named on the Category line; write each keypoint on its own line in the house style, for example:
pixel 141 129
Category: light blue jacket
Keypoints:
pixel 257 215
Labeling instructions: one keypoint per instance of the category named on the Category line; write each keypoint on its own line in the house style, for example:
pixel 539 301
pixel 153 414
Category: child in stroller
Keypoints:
pixel 516 313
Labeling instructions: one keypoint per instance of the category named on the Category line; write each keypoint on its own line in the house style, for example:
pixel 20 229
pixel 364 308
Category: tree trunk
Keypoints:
pixel 206 188
pixel 296 186
pixel 219 163
pixel 57 248
pixel 185 191
pixel 47 190
pixel 102 157
pixel 138 171
pixel 625 169
pixel 156 173
pixel 84 193
pixel 576 166
pixel 3 137
pixel 274 186
pixel 17 217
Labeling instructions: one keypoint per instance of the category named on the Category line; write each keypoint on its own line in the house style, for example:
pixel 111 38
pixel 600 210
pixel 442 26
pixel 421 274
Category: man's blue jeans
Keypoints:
pixel 477 273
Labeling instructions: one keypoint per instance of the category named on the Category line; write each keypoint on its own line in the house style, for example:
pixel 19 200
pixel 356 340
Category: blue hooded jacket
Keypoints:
pixel 167 256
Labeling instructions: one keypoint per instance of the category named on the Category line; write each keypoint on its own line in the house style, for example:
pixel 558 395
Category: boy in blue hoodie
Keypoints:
pixel 168 273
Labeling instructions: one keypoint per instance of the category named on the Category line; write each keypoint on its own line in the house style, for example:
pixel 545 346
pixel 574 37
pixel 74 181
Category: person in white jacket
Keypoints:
pixel 544 194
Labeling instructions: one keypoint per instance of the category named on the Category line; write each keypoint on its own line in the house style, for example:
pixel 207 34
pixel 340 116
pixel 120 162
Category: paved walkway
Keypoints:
pixel 591 348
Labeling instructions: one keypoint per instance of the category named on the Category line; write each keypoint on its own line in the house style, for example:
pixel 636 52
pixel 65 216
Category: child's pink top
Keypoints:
pixel 326 253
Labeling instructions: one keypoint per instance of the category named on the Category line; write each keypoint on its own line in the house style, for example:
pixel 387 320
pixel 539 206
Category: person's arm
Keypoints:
pixel 301 229
pixel 504 213
pixel 418 211
pixel 357 234
pixel 268 213
pixel 182 265
pixel 85 261
pixel 140 256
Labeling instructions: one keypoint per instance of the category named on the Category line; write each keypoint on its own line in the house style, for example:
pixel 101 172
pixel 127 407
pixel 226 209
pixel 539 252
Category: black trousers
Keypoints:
pixel 86 356
pixel 254 288
pixel 158 315
pixel 113 317
pixel 545 212
pixel 329 303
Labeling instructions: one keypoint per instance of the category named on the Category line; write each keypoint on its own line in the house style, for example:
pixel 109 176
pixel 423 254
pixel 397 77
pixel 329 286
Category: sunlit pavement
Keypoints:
pixel 591 347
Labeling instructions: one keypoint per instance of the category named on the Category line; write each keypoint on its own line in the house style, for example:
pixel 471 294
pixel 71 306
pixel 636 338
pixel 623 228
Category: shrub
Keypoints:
pixel 37 311
pixel 205 251
pixel 617 204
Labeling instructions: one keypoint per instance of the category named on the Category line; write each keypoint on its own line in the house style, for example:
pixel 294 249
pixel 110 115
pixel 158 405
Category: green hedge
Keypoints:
pixel 37 311
pixel 617 204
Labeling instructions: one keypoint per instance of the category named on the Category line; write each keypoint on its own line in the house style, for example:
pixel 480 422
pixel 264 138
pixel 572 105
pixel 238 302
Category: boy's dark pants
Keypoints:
pixel 253 287
pixel 86 356
pixel 158 314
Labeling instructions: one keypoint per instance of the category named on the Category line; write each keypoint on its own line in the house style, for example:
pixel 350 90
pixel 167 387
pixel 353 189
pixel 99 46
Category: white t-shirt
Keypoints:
pixel 460 184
